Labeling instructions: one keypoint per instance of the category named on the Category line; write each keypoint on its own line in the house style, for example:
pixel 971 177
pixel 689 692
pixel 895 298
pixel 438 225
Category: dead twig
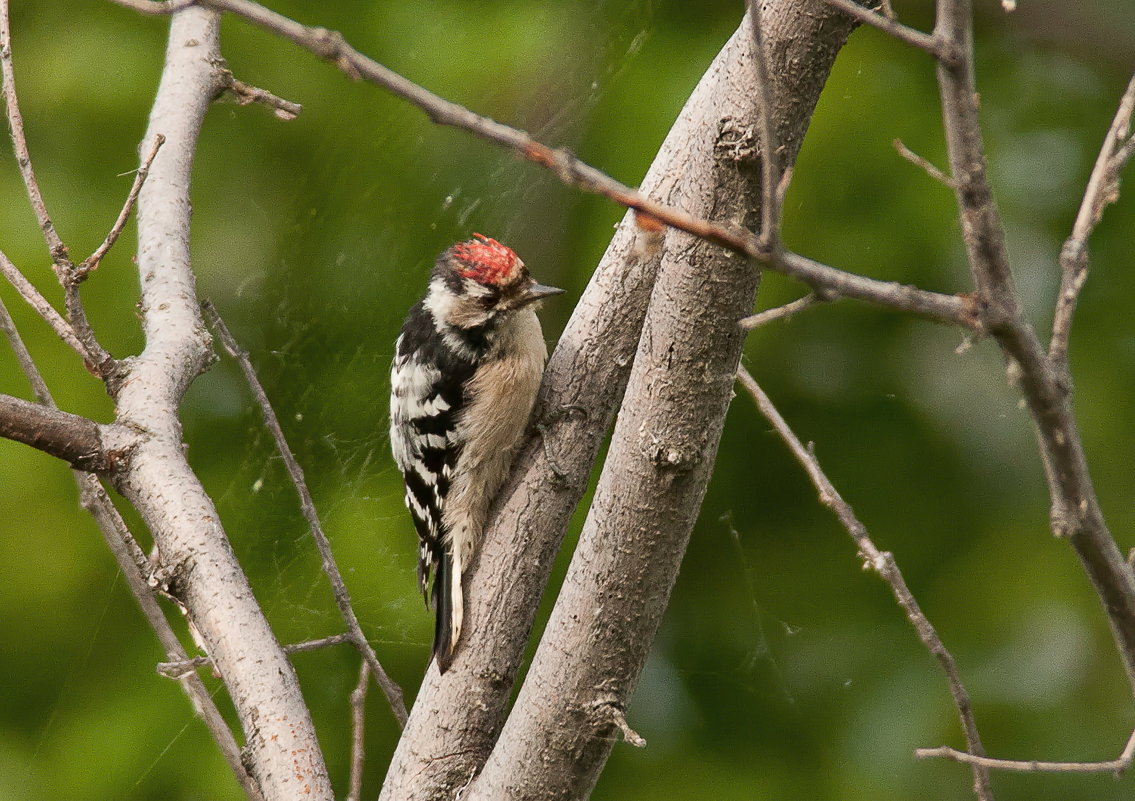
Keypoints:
pixel 247 94
pixel 342 596
pixel 1116 766
pixel 780 312
pixel 43 308
pixel 1102 190
pixel 96 358
pixel 20 144
pixel 771 195
pixel 919 161
pixel 887 23
pixel 884 564
pixel 1046 387
pixel 332 47
pixel 91 263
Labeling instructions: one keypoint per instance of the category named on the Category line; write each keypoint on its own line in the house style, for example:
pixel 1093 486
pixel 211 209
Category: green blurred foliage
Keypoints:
pixel 783 671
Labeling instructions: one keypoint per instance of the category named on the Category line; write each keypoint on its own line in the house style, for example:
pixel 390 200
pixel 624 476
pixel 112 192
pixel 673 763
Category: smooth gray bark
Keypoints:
pixel 562 727
pixel 280 751
pixel 456 718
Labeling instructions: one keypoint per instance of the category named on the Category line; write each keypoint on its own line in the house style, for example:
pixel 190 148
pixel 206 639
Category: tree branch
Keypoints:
pixel 281 749
pixel 130 560
pixel 44 309
pixel 1075 512
pixel 765 97
pixel 332 47
pixel 924 164
pixel 307 506
pixel 888 24
pixel 560 731
pixel 883 563
pixel 97 359
pixel 779 312
pixel 74 439
pixel 176 668
pixel 358 733
pixel 91 263
pixel 23 158
pixel 1116 766
pixel 1102 189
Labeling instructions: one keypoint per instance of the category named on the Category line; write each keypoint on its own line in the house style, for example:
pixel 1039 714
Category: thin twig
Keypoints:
pixel 887 23
pixel 619 719
pixel 1102 189
pixel 1075 512
pixel 883 563
pixel 23 356
pixel 779 312
pixel 135 568
pixel 246 94
pixel 1116 766
pixel 919 161
pixel 97 359
pixel 43 308
pixel 332 47
pixel 20 145
pixel 770 162
pixel 177 668
pixel 342 596
pixel 91 263
pixel 358 732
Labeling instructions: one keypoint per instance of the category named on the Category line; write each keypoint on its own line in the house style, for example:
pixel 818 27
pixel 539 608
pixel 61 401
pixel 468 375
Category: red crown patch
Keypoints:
pixel 486 260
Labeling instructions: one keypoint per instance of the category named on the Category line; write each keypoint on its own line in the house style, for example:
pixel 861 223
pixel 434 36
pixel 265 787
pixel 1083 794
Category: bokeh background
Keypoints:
pixel 783 670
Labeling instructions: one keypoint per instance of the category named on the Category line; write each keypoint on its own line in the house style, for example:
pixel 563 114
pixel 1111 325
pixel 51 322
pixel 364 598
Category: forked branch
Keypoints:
pixel 1117 766
pixel 307 505
pixel 883 563
pixel 332 47
pixel 1102 189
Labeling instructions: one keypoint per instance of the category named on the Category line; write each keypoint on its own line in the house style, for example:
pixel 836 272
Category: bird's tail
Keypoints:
pixel 444 636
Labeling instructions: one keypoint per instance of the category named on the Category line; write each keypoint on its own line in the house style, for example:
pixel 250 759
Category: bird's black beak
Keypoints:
pixel 538 292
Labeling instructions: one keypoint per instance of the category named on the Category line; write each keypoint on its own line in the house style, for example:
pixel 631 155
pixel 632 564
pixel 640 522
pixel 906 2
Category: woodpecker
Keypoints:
pixel 466 369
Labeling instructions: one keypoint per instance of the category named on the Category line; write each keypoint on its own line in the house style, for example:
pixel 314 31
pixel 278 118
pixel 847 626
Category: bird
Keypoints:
pixel 467 365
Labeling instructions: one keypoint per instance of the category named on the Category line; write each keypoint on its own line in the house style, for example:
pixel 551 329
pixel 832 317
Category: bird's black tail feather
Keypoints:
pixel 443 606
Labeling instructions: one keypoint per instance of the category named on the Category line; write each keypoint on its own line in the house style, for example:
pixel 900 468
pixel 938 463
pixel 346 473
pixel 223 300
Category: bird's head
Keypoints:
pixel 477 282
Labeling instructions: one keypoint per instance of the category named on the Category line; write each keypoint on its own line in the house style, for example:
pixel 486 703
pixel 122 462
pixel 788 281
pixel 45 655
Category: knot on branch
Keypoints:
pixel 331 46
pixel 667 456
pixel 736 141
pixel 1074 255
pixel 609 712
